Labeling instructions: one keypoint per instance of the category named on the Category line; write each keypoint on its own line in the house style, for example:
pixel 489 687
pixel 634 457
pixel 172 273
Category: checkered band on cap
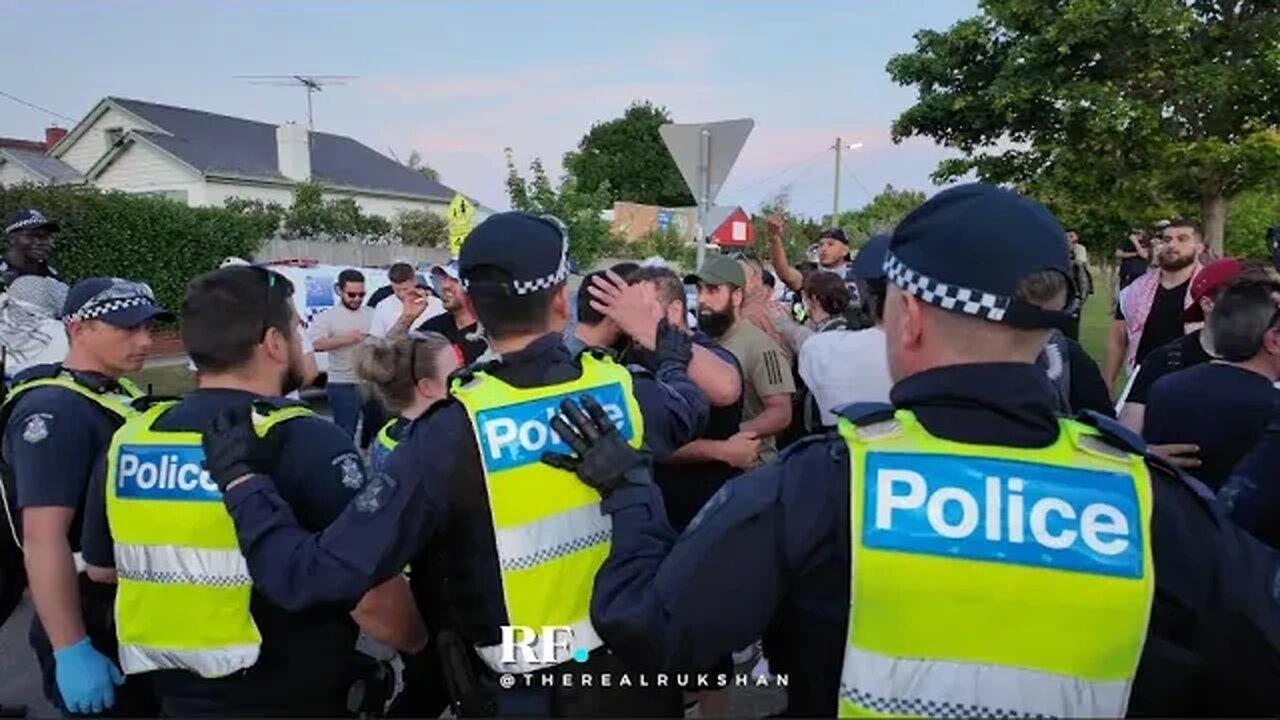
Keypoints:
pixel 546 282
pixel 35 219
pixel 954 298
pixel 93 311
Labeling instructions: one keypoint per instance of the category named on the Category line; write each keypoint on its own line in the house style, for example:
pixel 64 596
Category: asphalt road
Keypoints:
pixel 20 677
pixel 19 674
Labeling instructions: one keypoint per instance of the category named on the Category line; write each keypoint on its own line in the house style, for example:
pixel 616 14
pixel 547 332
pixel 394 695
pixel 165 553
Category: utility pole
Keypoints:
pixel 704 192
pixel 835 193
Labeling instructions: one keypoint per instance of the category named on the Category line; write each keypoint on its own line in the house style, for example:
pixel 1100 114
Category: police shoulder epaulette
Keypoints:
pixel 38 372
pixel 431 412
pixel 467 374
pixel 865 413
pixel 640 370
pixel 146 402
pixel 1113 432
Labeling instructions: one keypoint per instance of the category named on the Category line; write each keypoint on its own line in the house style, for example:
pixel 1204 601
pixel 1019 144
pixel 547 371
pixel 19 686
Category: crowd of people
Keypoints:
pixel 891 475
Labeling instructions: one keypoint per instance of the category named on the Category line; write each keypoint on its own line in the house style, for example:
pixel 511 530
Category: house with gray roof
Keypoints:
pixel 203 159
pixel 28 161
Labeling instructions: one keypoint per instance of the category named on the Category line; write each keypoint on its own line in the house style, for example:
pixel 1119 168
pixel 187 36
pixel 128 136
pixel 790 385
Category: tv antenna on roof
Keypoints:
pixel 312 84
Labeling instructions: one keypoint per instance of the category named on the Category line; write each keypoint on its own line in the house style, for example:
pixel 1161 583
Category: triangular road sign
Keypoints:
pixel 684 142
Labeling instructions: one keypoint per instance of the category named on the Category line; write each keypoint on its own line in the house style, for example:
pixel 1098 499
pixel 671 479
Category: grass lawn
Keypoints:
pixel 1095 322
pixel 168 380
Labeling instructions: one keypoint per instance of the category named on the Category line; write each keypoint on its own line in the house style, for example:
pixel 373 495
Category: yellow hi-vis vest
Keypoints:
pixel 183 594
pixel 549 530
pixel 993 581
pixel 118 404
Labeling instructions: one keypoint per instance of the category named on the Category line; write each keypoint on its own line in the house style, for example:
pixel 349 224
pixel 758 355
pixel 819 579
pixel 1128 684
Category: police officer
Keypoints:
pixel 57 422
pixel 467 484
pixel 963 552
pixel 207 626
pixel 30 237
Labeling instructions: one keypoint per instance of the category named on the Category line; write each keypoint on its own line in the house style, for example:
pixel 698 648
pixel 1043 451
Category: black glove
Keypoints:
pixel 604 460
pixel 233 448
pixel 673 345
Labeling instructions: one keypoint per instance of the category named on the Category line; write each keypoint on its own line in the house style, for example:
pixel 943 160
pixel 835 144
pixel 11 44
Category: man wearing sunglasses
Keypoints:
pixel 58 422
pixel 339 331
pixel 30 237
pixel 208 628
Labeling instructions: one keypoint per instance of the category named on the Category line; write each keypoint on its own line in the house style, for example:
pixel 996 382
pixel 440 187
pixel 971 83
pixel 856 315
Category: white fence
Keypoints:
pixel 348 253
pixel 367 255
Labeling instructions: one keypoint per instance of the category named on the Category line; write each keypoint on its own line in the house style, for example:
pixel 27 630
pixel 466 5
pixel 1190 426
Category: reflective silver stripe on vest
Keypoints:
pixel 526 546
pixel 584 636
pixel 945 689
pixel 171 565
pixel 218 663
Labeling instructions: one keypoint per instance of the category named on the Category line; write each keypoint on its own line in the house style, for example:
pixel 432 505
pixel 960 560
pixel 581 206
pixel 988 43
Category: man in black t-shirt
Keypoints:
pixel 458 323
pixel 1134 257
pixel 1149 311
pixel 1223 406
pixel 1188 350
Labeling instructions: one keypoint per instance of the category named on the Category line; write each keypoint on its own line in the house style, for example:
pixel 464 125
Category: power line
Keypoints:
pixel 33 106
pixel 774 176
pixel 857 181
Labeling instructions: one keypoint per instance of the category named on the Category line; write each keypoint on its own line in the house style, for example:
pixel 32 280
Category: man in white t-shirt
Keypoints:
pixel 847 366
pixel 340 331
pixel 406 288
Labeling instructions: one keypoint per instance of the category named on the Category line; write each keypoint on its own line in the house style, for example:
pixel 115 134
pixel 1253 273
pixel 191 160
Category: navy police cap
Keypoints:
pixel 531 250
pixel 968 248
pixel 869 264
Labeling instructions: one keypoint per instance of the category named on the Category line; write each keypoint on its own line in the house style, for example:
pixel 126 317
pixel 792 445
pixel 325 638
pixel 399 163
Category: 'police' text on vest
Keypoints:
pixel 517 435
pixel 1003 511
pixel 160 472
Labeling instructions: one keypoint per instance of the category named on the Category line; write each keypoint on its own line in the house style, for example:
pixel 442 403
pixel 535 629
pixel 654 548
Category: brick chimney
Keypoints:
pixel 52 135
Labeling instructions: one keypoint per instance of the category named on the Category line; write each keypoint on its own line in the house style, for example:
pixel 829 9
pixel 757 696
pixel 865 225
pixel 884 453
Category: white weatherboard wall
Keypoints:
pixel 390 207
pixel 12 173
pixel 92 144
pixel 217 193
pixel 143 169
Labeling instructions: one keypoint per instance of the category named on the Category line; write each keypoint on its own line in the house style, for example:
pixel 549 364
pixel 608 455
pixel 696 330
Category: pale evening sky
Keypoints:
pixel 460 81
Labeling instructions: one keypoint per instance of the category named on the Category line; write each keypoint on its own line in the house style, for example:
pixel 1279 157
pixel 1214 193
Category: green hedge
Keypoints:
pixel 160 242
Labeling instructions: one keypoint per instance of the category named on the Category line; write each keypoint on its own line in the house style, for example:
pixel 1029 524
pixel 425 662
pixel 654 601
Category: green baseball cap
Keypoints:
pixel 719 270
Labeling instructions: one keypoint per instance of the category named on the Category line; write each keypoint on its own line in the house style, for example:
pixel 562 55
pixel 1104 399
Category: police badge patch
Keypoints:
pixel 37 428
pixel 352 470
pixel 371 497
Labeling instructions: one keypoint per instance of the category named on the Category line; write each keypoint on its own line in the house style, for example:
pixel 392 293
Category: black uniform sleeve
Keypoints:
pixel 660 600
pixel 1213 644
pixel 49 451
pixel 674 409
pixel 370 539
pixel 1088 390
pixel 96 544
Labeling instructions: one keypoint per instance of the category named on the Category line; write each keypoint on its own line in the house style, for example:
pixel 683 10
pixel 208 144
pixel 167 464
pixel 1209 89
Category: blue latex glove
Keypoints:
pixel 86 678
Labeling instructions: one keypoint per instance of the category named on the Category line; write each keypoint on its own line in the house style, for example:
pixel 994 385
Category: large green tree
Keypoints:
pixel 579 210
pixel 1124 104
pixel 625 156
pixel 881 214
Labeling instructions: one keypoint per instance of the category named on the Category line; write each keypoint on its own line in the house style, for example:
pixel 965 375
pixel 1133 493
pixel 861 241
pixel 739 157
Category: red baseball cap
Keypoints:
pixel 1210 279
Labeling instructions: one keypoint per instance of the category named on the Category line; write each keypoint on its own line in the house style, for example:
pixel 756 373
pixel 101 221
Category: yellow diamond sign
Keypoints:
pixel 460 214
